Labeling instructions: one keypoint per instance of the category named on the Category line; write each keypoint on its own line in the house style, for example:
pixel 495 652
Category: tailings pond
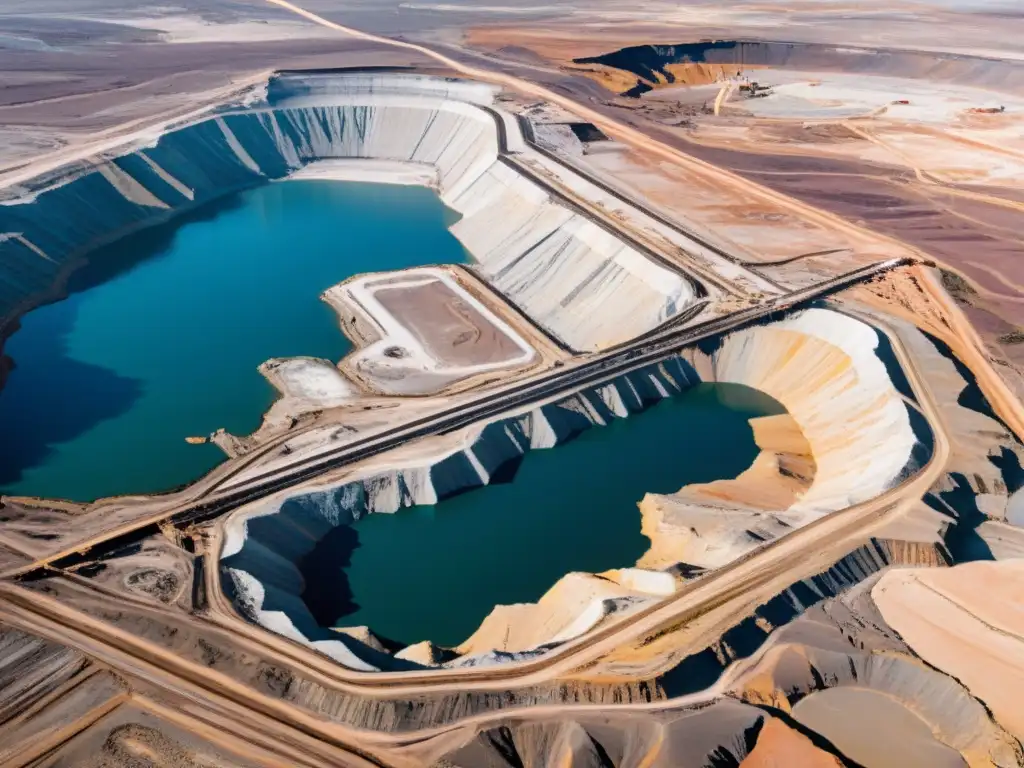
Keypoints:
pixel 435 572
pixel 162 332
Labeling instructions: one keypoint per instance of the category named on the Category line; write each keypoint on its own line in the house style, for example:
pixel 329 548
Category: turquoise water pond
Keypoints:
pixel 162 333
pixel 434 572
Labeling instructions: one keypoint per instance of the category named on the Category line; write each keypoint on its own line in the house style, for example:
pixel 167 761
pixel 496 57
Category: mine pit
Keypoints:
pixel 570 508
pixel 480 385
pixel 510 268
pixel 374 529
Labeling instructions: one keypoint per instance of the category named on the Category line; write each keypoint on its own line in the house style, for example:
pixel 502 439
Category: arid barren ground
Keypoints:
pixel 700 447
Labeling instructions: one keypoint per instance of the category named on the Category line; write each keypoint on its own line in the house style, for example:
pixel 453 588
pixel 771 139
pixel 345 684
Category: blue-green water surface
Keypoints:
pixel 162 333
pixel 434 572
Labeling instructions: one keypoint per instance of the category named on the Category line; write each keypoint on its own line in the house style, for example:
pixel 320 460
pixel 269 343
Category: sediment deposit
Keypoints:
pixel 923 146
pixel 725 733
pixel 702 62
pixel 265 542
pixel 840 684
pixel 966 622
pixel 842 671
pixel 821 458
pixel 809 612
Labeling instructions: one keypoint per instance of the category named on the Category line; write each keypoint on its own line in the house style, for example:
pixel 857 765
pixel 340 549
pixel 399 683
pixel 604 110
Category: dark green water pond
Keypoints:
pixel 434 572
pixel 161 335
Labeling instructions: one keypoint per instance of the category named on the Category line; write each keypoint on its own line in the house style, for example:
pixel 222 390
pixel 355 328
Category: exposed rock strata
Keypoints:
pixel 836 657
pixel 983 474
pixel 983 470
pixel 847 644
pixel 265 542
pixel 725 733
pixel 693 63
pixel 688 659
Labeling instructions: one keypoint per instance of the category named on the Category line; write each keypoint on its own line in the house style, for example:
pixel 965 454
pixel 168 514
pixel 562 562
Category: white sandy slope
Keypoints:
pixel 571 276
pixel 857 439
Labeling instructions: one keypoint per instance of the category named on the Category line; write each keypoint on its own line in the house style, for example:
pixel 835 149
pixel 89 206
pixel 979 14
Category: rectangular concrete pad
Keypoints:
pixel 454 332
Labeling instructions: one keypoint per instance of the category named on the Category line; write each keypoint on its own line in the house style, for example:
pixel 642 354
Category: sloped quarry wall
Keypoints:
pixel 846 394
pixel 557 266
pixel 823 366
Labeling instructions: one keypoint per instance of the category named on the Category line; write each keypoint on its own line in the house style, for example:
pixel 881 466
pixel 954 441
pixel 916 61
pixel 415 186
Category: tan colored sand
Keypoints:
pixel 874 729
pixel 969 622
pixel 779 476
pixel 562 609
pixel 683 73
pixel 779 434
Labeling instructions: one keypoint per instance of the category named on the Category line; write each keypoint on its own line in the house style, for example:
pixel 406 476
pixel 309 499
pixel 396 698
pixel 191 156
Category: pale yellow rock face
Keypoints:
pixel 424 653
pixel 779 434
pixel 969 622
pixel 845 439
pixel 779 746
pixel 723 510
pixel 823 368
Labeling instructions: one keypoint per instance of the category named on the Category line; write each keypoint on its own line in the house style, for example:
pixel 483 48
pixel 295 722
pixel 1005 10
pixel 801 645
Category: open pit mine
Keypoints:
pixel 470 393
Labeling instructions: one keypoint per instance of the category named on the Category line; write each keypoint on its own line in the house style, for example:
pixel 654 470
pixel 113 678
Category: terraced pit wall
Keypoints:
pixel 524 241
pixel 264 545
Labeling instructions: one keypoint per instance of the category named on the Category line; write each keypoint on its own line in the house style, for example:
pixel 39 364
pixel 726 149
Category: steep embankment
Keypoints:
pixel 842 671
pixel 878 665
pixel 967 514
pixel 968 622
pixel 824 366
pixel 560 268
pixel 849 435
pixel 836 685
pixel 726 733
